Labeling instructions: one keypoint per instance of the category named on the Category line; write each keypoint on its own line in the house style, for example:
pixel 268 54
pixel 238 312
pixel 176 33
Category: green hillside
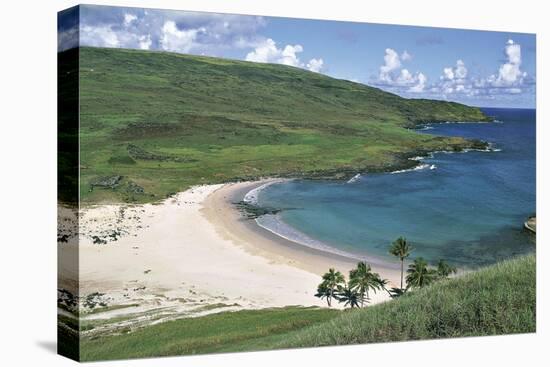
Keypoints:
pixel 500 299
pixel 153 123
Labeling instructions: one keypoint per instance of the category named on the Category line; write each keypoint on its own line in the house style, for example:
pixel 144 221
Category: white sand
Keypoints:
pixel 175 258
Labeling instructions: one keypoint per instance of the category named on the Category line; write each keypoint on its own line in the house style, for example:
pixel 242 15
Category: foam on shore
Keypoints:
pixel 274 224
pixel 251 197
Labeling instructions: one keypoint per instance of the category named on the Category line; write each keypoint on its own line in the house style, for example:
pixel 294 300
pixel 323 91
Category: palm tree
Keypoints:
pixel 444 269
pixel 324 292
pixel 402 249
pixel 419 275
pixel 332 281
pixel 350 296
pixel 362 279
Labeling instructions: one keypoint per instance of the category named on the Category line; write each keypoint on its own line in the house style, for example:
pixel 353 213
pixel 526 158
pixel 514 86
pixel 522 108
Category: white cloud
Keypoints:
pixel 315 65
pixel 177 31
pixel 393 76
pixel 513 51
pixel 454 79
pixel 391 63
pixel 405 77
pixel 420 85
pixel 289 56
pixel 457 73
pixel 264 53
pixel 99 36
pixel 268 52
pixel 174 39
pixel 460 70
pixel 185 32
pixel 128 19
pixel 509 73
pixel 145 42
pixel 448 74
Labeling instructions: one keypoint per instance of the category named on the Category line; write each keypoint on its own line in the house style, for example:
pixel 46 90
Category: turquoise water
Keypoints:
pixel 467 208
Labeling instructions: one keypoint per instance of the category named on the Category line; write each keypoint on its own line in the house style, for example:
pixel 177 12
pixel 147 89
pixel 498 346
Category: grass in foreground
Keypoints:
pixel 499 299
pixel 228 331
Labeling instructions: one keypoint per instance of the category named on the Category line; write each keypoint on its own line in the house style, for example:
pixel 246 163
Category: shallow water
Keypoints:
pixel 467 208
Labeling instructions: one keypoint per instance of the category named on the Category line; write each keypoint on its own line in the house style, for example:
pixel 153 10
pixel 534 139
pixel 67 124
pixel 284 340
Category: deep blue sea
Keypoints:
pixel 467 208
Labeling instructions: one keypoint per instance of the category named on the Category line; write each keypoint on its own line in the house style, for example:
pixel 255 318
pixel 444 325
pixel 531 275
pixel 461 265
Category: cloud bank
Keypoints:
pixel 510 78
pixel 176 31
pixel 183 32
pixel 456 81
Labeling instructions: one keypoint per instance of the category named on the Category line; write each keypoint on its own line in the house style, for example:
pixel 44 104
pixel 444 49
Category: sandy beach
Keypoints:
pixel 191 255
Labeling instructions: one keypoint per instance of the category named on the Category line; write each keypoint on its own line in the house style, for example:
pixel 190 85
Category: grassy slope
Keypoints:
pixel 499 299
pixel 203 120
pixel 240 330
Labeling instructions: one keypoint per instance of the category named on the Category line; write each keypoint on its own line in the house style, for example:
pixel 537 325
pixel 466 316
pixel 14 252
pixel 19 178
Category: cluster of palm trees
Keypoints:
pixel 355 292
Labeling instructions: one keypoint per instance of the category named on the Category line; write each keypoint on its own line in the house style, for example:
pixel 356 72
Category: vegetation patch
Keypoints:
pixel 134 188
pixel 251 211
pixel 106 182
pixel 141 154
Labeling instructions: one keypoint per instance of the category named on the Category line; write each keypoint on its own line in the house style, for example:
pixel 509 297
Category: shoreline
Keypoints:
pixel 191 255
pixel 220 210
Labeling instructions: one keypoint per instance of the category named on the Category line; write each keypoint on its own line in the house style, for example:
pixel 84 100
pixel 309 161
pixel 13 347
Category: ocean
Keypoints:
pixel 467 208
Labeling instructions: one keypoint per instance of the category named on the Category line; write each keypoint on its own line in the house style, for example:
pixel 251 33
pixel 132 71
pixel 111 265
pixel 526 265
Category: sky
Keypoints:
pixel 479 68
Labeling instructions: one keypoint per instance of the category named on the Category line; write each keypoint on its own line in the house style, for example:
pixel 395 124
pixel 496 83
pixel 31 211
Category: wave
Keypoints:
pixel 462 122
pixel 422 157
pixel 354 178
pixel 427 127
pixel 433 125
pixel 417 168
pixel 490 148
